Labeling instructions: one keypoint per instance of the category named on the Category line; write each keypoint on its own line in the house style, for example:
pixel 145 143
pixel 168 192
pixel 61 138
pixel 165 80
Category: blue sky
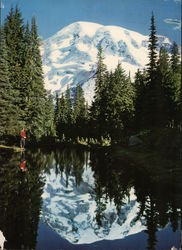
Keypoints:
pixel 52 15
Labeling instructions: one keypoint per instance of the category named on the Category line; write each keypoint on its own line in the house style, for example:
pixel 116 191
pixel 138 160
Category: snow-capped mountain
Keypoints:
pixel 70 56
pixel 70 210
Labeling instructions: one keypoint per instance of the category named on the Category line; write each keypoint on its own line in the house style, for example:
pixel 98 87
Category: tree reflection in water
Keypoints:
pixel 71 162
pixel 157 189
pixel 20 198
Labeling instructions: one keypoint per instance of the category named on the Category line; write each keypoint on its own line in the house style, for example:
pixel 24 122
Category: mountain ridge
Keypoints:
pixel 70 56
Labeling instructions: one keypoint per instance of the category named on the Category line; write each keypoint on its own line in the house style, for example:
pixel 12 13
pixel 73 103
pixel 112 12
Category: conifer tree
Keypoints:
pixel 37 106
pixel 176 81
pixel 105 101
pixel 152 50
pixel 79 104
pixel 180 109
pixel 68 113
pixel 14 33
pixel 63 111
pixel 152 88
pixel 62 118
pixel 140 83
pixel 164 90
pixel 175 59
pixel 68 106
pixel 79 112
pixel 100 74
pixel 49 125
pixel 8 111
pixel 121 104
pixel 57 110
pixel 96 114
pixel 86 131
pixel 26 90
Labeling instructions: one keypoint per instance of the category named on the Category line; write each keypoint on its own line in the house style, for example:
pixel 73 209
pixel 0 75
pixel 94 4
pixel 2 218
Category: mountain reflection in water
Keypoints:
pixel 85 196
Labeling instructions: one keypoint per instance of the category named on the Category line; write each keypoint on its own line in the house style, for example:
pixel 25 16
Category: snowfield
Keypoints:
pixel 70 56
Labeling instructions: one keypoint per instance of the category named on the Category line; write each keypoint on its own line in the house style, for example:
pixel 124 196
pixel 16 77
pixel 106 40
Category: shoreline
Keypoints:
pixel 15 148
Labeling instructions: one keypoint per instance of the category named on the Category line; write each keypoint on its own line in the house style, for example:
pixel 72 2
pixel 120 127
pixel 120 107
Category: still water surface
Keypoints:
pixel 70 198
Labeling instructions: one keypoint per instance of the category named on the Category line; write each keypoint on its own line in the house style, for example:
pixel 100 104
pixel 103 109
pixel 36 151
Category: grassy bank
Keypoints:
pixel 160 152
pixel 15 148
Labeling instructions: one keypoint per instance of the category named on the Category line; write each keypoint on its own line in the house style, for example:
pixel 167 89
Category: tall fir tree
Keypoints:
pixel 79 112
pixel 176 81
pixel 100 74
pixel 61 113
pixel 57 110
pixel 96 113
pixel 180 109
pixel 68 106
pixel 38 94
pixel 140 83
pixel 152 50
pixel 27 78
pixel 8 111
pixel 79 103
pixel 49 125
pixel 164 90
pixel 14 33
pixel 121 105
pixel 152 88
pixel 175 59
pixel 68 112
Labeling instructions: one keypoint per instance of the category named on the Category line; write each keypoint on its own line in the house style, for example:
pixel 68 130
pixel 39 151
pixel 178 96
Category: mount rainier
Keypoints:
pixel 70 56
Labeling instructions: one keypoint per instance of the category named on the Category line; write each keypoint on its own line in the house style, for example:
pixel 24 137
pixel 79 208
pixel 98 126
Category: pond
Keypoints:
pixel 71 198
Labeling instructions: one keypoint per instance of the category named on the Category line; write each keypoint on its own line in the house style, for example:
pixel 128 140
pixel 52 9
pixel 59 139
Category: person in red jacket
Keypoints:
pixel 22 138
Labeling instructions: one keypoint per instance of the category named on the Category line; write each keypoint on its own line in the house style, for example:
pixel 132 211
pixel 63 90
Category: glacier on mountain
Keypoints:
pixel 70 56
pixel 70 210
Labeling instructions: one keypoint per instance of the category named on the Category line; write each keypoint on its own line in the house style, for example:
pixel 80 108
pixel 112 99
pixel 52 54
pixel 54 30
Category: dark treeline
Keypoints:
pixel 121 107
pixel 23 99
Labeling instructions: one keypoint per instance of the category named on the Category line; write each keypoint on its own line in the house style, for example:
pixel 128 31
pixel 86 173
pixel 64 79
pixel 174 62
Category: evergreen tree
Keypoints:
pixel 100 74
pixel 96 114
pixel 152 50
pixel 140 83
pixel 14 33
pixel 37 103
pixel 180 109
pixel 68 114
pixel 8 111
pixel 176 81
pixel 121 104
pixel 79 104
pixel 57 110
pixel 85 129
pixel 68 106
pixel 49 125
pixel 152 89
pixel 164 90
pixel 26 91
pixel 175 59
pixel 61 124
pixel 80 113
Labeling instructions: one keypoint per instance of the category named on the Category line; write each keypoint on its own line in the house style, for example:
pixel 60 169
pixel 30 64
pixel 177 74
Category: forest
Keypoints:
pixel 148 106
